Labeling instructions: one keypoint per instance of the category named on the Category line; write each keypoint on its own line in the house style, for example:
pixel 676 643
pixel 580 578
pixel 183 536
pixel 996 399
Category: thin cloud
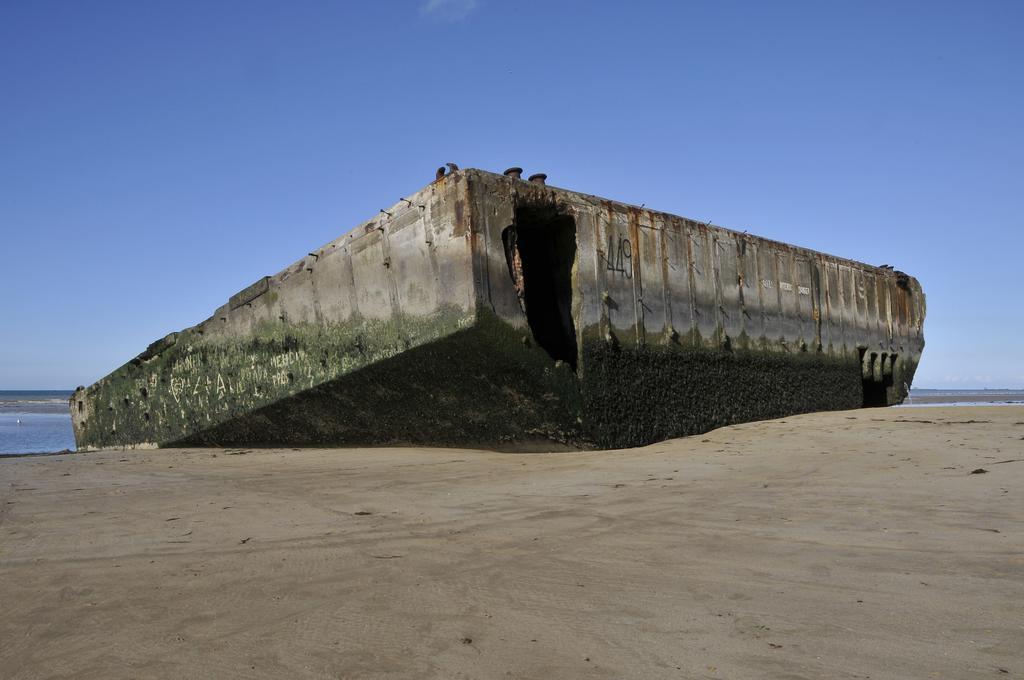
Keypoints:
pixel 448 10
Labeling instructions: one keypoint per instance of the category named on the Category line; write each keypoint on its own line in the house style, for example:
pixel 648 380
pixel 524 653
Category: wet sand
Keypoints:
pixel 843 545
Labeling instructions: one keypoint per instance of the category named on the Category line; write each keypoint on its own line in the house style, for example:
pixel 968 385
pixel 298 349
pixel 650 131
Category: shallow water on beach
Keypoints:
pixel 35 421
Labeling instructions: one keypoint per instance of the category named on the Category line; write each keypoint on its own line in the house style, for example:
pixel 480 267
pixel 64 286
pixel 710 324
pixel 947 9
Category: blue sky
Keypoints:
pixel 157 157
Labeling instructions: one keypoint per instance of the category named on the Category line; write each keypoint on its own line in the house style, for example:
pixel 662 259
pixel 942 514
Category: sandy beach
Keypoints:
pixel 841 545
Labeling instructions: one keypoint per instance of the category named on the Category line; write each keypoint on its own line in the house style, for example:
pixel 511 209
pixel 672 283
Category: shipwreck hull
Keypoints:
pixel 489 311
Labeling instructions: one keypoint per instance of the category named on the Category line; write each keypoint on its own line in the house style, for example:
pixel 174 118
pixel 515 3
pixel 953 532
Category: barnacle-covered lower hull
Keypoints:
pixel 489 311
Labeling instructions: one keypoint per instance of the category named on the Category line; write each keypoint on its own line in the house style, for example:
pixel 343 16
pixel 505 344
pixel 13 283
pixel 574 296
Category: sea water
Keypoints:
pixel 990 397
pixel 35 421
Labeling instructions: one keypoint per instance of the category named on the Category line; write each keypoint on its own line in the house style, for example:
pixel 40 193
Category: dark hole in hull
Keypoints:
pixel 541 248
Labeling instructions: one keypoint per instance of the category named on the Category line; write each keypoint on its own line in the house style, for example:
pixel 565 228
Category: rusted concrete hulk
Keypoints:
pixel 486 310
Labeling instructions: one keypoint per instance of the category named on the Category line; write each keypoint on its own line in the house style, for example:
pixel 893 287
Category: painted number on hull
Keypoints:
pixel 620 256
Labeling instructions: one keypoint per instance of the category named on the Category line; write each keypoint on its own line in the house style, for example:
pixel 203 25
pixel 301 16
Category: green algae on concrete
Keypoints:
pixel 495 392
pixel 200 382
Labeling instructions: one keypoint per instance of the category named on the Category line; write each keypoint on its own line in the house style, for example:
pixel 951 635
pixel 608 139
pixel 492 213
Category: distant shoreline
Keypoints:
pixel 964 397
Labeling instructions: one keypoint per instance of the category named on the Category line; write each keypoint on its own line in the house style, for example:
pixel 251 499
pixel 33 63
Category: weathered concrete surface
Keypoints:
pixel 486 310
pixel 834 545
pixel 400 281
pixel 682 326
